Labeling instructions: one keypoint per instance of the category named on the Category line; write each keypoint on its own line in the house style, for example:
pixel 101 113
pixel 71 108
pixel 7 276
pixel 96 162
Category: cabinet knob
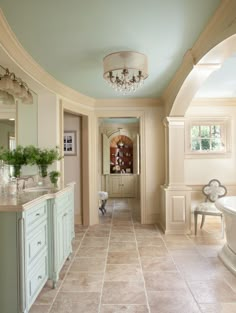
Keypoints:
pixel 38 214
pixel 40 277
pixel 39 243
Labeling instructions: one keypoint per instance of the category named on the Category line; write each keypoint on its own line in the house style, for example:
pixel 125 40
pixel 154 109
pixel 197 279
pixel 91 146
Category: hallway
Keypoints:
pixel 120 266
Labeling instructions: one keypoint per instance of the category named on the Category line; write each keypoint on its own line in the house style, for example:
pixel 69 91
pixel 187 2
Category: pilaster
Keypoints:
pixel 175 195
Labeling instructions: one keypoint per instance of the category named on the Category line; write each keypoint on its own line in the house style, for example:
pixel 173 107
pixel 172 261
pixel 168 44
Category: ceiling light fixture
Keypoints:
pixel 12 87
pixel 125 71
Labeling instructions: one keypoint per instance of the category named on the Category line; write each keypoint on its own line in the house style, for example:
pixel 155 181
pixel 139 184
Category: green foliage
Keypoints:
pixel 29 155
pixel 13 157
pixel 40 156
pixel 54 176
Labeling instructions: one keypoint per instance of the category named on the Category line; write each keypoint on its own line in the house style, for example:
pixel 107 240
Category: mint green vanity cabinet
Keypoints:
pixel 61 217
pixel 35 240
pixel 23 261
pixel 36 250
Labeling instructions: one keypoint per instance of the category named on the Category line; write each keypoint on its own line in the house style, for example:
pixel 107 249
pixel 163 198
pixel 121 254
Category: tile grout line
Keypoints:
pixel 103 281
pixel 140 263
pixel 181 274
pixel 206 258
pixel 72 260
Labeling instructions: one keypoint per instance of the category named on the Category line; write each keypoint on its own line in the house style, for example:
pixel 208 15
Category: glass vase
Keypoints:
pixel 43 178
pixel 16 170
pixel 54 181
pixel 4 177
pixel 43 170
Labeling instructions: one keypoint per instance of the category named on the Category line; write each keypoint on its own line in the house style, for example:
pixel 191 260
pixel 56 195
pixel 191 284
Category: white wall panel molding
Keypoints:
pixel 176 210
pixel 178 214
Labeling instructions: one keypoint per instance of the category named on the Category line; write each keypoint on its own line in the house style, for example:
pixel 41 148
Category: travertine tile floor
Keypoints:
pixel 120 266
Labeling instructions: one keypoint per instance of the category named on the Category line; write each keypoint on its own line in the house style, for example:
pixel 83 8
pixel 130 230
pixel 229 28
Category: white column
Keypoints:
pixel 176 196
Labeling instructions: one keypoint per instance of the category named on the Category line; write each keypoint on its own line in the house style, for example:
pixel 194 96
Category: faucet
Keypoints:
pixel 24 179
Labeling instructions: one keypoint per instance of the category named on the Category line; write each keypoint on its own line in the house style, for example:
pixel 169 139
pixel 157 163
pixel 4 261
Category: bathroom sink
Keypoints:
pixel 38 189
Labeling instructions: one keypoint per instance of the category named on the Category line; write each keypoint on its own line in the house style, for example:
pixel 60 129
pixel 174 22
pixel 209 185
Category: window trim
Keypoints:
pixel 199 121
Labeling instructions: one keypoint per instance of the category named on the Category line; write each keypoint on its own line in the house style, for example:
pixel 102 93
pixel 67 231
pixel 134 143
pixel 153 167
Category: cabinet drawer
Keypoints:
pixel 37 279
pixel 37 242
pixel 36 215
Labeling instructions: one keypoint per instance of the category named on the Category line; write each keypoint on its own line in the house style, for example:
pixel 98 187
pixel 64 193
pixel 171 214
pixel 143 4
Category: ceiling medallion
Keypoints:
pixel 125 71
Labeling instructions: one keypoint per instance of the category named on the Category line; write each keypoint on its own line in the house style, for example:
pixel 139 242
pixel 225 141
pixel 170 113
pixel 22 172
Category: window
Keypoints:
pixel 208 137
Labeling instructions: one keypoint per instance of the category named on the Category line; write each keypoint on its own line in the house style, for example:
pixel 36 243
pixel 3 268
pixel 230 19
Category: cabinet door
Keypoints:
pixel 115 186
pixel 128 186
pixel 67 235
pixel 63 238
pixel 59 242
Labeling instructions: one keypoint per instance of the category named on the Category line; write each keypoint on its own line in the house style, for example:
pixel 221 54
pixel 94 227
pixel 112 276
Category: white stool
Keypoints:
pixel 103 196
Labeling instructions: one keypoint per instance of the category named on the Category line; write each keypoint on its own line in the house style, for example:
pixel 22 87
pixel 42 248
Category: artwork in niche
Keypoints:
pixel 70 143
pixel 121 155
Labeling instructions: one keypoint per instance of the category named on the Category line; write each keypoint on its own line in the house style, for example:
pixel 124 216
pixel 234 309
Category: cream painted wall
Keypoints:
pixel 200 171
pixel 5 131
pixel 48 121
pixel 72 164
pixel 27 123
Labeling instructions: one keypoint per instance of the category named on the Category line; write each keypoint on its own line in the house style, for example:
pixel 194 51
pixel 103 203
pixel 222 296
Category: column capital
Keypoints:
pixel 176 121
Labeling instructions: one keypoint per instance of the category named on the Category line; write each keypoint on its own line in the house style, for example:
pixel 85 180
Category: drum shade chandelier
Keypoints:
pixel 125 71
pixel 12 87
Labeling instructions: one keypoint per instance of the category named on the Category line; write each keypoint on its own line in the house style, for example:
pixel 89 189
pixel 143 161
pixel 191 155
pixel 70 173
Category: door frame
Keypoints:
pixel 141 115
pixel 85 192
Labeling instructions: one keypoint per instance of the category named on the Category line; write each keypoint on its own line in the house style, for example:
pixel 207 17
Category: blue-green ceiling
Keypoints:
pixel 70 38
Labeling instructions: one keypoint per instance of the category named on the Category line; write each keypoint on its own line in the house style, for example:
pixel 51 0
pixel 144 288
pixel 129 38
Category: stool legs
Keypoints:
pixel 102 207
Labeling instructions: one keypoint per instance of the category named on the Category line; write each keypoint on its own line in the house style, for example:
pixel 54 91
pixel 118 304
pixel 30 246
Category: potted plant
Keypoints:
pixel 42 158
pixel 54 175
pixel 15 157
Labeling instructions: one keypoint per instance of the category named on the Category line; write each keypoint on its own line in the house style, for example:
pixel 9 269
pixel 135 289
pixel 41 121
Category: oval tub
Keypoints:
pixel 227 205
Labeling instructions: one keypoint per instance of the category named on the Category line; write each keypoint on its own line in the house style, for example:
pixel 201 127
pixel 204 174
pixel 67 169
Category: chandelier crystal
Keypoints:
pixel 12 87
pixel 125 71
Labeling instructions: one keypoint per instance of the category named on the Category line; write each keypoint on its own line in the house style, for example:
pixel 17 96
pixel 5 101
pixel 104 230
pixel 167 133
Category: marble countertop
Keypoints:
pixel 23 200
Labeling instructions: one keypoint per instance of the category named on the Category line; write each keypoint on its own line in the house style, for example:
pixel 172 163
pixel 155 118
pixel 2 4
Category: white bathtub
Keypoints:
pixel 227 205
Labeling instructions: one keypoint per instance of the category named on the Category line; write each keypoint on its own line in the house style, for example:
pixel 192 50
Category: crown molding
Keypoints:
pixel 132 103
pixel 23 59
pixel 214 102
